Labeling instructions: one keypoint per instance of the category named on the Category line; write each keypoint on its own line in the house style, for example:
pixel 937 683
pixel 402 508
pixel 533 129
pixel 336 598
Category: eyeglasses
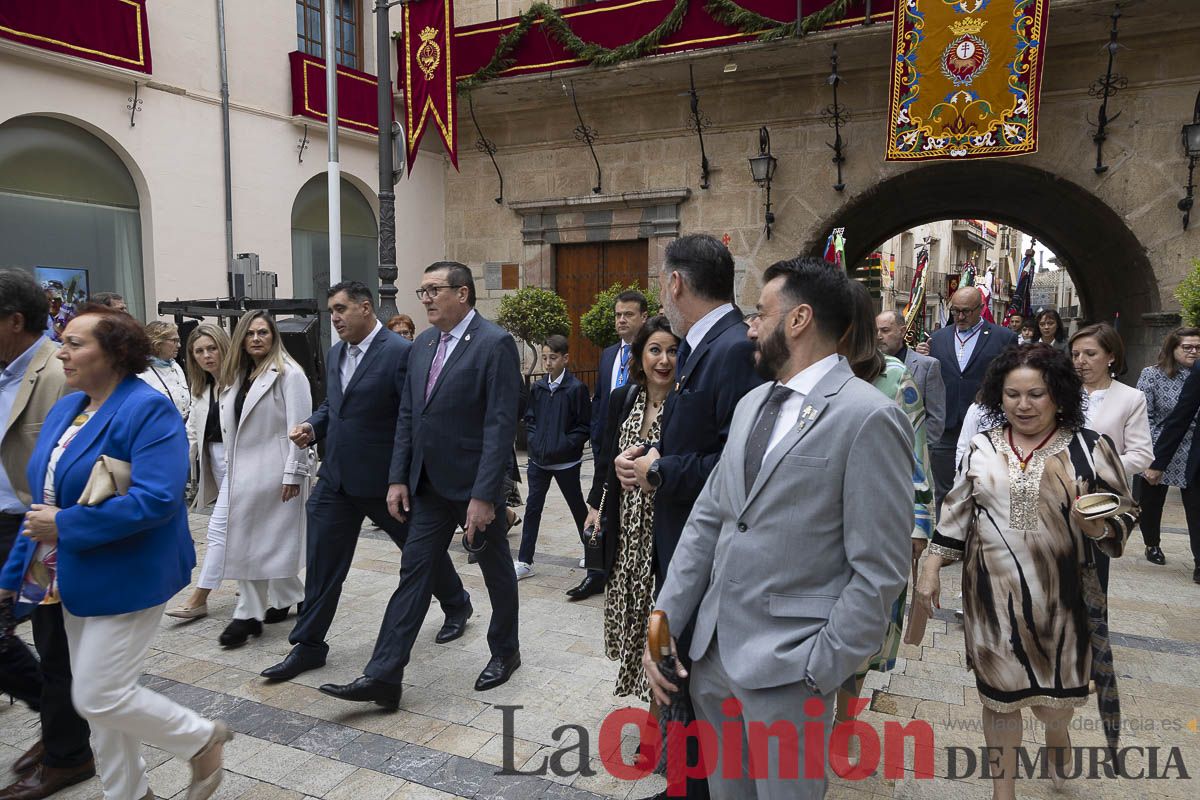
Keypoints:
pixel 755 316
pixel 1190 348
pixel 432 291
pixel 962 312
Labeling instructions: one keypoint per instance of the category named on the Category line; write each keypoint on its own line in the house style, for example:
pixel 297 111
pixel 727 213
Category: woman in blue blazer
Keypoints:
pixel 114 565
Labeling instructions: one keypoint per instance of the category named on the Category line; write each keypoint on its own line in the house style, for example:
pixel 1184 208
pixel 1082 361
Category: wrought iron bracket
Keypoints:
pixel 699 123
pixel 1105 87
pixel 835 115
pixel 486 145
pixel 302 145
pixel 135 104
pixel 1185 205
pixel 586 134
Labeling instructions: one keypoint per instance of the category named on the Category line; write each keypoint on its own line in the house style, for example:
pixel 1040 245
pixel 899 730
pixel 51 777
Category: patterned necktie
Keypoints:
pixel 623 368
pixel 435 369
pixel 760 437
pixel 353 352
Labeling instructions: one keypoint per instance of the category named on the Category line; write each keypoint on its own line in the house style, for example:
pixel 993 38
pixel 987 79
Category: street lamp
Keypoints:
pixel 389 132
pixel 1191 146
pixel 762 169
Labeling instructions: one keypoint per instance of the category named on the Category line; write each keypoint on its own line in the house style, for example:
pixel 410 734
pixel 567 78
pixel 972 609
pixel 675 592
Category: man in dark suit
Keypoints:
pixel 454 437
pixel 714 370
pixel 629 315
pixel 965 350
pixel 366 374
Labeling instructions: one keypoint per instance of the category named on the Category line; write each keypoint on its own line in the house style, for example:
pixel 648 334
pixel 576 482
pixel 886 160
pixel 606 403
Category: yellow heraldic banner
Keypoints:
pixel 966 78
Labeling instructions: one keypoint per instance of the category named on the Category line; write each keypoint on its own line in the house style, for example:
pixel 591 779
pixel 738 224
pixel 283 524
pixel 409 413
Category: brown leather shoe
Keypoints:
pixel 45 781
pixel 32 757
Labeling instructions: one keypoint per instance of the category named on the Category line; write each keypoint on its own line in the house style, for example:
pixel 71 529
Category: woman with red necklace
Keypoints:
pixel 1034 616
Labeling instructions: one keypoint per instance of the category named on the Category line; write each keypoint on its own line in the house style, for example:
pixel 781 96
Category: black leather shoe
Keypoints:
pixel 592 584
pixel 1196 575
pixel 366 690
pixel 1155 555
pixel 239 632
pixel 297 662
pixel 454 626
pixel 274 615
pixel 497 671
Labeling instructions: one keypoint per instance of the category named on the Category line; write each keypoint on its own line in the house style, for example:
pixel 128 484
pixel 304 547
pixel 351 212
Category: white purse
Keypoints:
pixel 110 476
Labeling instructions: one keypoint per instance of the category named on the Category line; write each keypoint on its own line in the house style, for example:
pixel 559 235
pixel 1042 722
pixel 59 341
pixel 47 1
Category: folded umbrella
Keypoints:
pixel 680 710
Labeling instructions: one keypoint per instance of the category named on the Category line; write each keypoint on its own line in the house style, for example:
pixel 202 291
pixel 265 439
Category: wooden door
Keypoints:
pixel 581 271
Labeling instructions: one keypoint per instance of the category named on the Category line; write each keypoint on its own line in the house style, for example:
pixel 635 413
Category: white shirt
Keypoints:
pixel 457 333
pixel 964 343
pixel 972 424
pixel 801 384
pixel 349 363
pixel 705 324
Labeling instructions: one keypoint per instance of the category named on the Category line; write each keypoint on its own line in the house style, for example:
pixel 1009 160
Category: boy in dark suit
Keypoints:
pixel 557 422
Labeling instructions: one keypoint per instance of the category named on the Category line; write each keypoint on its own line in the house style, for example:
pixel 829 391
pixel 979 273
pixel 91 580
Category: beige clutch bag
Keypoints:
pixel 1100 505
pixel 110 476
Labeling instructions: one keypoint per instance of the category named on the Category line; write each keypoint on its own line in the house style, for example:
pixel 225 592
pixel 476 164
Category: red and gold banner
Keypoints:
pixel 966 78
pixel 356 93
pixel 113 32
pixel 612 23
pixel 428 75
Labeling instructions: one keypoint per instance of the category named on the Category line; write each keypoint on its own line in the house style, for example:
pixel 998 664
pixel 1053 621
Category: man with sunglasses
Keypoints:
pixel 965 350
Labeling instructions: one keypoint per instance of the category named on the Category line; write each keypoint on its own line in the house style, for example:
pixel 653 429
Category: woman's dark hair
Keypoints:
pixel 859 343
pixel 1066 389
pixel 1166 356
pixel 120 336
pixel 1060 331
pixel 653 325
pixel 1108 338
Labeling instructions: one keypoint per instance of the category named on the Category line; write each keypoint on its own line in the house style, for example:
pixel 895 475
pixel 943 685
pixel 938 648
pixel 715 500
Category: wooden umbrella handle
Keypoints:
pixel 660 634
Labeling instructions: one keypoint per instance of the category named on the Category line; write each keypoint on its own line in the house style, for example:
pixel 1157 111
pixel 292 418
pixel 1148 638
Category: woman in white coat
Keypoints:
pixel 206 351
pixel 1114 409
pixel 267 476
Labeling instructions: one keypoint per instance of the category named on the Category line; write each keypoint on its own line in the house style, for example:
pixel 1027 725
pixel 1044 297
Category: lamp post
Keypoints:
pixel 389 175
pixel 1191 146
pixel 762 169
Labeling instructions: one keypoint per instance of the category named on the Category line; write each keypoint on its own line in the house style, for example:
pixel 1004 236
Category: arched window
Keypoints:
pixel 67 201
pixel 310 240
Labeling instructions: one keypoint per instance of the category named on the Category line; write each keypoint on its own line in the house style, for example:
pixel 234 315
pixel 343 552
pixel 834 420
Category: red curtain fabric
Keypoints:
pixel 356 93
pixel 614 22
pixel 427 72
pixel 113 32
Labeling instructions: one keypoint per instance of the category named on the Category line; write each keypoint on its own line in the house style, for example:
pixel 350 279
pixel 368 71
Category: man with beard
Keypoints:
pixel 714 370
pixel 797 547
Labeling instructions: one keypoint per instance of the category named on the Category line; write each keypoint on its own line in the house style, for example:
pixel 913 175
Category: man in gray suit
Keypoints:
pixel 926 371
pixel 799 543
pixel 454 438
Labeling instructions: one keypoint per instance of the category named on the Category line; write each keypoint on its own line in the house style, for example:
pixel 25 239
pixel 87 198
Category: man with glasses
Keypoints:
pixel 965 350
pixel 454 438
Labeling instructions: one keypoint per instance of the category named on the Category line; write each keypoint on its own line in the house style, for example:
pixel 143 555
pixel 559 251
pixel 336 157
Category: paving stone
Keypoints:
pixel 325 739
pixel 415 763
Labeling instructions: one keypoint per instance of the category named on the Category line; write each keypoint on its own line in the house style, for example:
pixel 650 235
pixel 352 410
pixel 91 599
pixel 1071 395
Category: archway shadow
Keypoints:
pixel 1108 264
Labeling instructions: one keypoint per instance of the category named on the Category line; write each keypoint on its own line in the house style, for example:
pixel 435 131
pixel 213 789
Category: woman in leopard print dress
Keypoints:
pixel 634 417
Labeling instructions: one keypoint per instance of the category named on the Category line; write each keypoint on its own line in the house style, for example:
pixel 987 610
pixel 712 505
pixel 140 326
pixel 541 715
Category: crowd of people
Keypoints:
pixel 730 453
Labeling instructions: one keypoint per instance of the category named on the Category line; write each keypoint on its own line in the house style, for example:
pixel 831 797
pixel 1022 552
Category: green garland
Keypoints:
pixel 727 12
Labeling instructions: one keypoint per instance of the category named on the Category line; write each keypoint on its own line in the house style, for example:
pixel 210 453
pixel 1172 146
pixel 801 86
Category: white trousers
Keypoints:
pixel 218 523
pixel 257 596
pixel 107 654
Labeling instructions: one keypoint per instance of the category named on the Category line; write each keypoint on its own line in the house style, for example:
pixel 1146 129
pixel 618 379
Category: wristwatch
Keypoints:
pixel 653 476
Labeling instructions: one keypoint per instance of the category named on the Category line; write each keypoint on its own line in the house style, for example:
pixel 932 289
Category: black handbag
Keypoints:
pixel 593 540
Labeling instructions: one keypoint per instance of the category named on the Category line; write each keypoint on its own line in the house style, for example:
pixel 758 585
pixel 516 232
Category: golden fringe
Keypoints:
pixel 1028 702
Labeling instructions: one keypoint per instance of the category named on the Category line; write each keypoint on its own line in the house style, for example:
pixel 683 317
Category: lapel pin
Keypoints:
pixel 467 338
pixel 809 412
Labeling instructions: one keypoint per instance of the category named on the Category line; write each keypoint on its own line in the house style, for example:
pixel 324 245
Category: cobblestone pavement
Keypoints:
pixel 446 741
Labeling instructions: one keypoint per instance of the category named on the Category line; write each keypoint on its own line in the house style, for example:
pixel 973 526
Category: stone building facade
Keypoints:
pixel 1119 230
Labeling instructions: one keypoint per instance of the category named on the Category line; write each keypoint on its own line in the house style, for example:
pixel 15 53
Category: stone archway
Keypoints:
pixel 1108 264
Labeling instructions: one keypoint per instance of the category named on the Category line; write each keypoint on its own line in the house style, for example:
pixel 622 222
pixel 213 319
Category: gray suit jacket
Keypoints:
pixel 462 439
pixel 797 574
pixel 927 372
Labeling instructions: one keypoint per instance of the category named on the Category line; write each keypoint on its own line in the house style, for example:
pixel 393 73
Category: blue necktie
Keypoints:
pixel 681 356
pixel 623 369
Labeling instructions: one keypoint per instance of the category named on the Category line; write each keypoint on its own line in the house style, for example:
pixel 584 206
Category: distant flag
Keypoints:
pixel 914 312
pixel 835 247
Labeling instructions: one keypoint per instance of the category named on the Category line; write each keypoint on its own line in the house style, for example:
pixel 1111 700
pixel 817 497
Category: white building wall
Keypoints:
pixel 173 150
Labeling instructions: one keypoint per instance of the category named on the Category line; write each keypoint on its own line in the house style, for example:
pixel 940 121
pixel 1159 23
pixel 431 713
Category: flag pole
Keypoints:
pixel 335 173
